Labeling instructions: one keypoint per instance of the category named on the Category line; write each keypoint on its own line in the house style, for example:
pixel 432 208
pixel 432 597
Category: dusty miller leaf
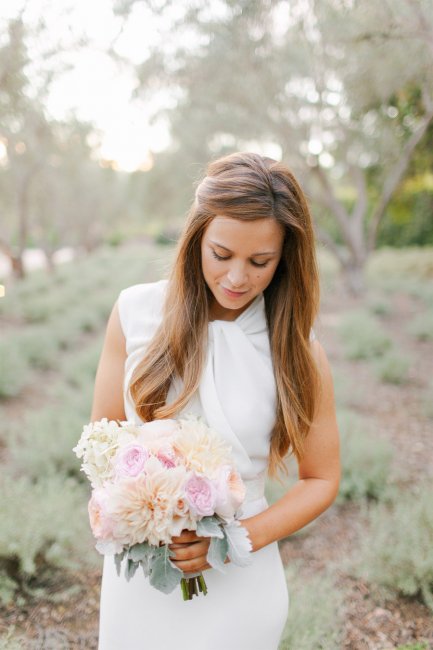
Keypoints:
pixel 118 561
pixel 239 544
pixel 209 527
pixel 130 569
pixel 217 553
pixel 164 575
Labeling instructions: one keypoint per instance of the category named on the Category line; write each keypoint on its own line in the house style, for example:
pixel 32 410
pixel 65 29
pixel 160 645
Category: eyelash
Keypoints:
pixel 218 257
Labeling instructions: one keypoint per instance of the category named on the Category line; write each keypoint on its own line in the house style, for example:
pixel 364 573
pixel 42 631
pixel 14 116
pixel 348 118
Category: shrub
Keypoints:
pixel 363 336
pixel 14 369
pixel 378 303
pixel 396 552
pixel 43 442
pixel 365 461
pixel 392 368
pixel 314 618
pixel 389 263
pixel 10 641
pixel 44 524
pixel 421 326
pixel 38 346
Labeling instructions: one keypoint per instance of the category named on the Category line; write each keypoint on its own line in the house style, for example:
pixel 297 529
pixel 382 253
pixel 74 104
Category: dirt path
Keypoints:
pixel 372 621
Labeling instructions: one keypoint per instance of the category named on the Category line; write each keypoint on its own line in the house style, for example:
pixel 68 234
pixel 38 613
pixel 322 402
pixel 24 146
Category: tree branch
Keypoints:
pixel 337 208
pixel 395 176
pixel 327 240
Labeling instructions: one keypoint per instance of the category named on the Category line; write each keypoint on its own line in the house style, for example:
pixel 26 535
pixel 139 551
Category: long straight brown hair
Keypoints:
pixel 241 186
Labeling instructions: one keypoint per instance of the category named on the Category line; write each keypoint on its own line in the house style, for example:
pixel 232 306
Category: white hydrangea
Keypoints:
pixel 98 444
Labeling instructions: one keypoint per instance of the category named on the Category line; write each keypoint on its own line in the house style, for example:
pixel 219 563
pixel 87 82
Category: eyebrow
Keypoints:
pixel 253 255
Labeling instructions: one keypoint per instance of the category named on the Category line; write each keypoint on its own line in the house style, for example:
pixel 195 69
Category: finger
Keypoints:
pixel 186 536
pixel 190 551
pixel 189 566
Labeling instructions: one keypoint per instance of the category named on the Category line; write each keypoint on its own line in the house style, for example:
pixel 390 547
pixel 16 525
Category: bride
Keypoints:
pixel 227 336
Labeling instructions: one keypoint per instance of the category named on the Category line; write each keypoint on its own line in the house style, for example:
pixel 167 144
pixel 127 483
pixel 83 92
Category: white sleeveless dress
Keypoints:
pixel 246 607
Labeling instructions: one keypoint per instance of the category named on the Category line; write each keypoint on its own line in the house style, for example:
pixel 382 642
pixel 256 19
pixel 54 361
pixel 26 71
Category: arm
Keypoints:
pixel 318 472
pixel 108 391
pixel 314 492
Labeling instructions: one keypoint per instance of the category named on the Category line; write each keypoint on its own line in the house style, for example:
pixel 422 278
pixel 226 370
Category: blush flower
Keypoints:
pixel 143 507
pixel 157 433
pixel 100 522
pixel 200 495
pixel 200 448
pixel 166 456
pixel 230 491
pixel 130 460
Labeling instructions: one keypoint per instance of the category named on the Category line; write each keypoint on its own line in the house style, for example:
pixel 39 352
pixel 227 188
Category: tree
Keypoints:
pixel 319 79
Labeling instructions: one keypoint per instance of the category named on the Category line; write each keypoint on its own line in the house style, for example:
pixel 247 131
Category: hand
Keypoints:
pixel 191 551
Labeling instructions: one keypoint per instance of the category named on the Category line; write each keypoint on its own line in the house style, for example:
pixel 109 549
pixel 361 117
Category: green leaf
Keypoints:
pixel 164 575
pixel 209 527
pixel 118 561
pixel 139 552
pixel 239 543
pixel 217 553
pixel 130 569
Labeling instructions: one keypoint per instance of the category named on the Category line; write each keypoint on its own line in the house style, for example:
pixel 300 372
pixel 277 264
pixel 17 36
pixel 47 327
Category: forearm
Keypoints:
pixel 305 501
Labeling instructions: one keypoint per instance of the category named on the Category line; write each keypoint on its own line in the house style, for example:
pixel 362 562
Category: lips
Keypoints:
pixel 233 294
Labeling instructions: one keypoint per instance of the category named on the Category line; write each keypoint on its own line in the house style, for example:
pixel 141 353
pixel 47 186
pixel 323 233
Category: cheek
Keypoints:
pixel 210 266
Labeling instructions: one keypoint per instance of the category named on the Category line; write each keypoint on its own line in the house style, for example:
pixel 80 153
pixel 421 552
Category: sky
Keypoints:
pixel 97 89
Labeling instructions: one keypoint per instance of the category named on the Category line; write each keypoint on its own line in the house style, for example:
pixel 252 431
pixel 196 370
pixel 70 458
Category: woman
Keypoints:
pixel 228 337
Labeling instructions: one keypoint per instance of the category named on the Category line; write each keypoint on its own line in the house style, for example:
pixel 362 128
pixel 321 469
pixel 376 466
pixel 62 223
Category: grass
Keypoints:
pixel 362 336
pixel 315 612
pixel 365 460
pixel 392 368
pixel 396 551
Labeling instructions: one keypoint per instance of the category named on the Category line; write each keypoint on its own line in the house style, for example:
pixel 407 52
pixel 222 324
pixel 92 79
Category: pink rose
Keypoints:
pixel 201 495
pixel 100 523
pixel 156 434
pixel 130 460
pixel 167 456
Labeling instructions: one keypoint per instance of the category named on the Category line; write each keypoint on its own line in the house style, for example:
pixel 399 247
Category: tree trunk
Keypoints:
pixel 18 266
pixel 353 271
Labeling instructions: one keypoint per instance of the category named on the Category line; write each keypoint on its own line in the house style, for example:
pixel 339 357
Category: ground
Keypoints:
pixel 372 621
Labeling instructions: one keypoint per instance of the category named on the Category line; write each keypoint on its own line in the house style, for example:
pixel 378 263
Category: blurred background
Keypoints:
pixel 109 112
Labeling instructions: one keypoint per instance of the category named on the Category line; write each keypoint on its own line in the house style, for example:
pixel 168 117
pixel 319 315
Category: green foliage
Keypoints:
pixel 362 335
pixel 391 267
pixel 10 641
pixel 43 442
pixel 421 326
pixel 379 306
pixel 14 369
pixel 396 552
pixel 315 613
pixel 408 220
pixel 392 368
pixel 44 523
pixel 413 646
pixel 365 460
pixel 37 345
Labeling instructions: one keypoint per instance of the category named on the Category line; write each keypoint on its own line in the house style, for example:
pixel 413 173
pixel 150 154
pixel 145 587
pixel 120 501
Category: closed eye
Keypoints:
pixel 219 257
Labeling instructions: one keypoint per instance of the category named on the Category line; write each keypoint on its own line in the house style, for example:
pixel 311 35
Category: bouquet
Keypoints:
pixel 150 482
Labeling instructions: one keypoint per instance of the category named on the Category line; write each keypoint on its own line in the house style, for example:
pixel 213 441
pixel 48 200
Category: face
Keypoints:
pixel 239 259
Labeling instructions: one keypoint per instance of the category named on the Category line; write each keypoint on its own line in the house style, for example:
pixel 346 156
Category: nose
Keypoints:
pixel 237 276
